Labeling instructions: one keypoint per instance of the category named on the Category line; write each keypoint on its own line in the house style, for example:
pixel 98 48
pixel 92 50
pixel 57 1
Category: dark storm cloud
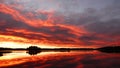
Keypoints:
pixel 109 28
pixel 103 21
pixel 79 19
pixel 108 21
pixel 1 1
pixel 89 38
pixel 9 22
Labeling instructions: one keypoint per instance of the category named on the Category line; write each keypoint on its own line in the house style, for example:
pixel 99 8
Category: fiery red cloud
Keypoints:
pixel 47 27
pixel 58 32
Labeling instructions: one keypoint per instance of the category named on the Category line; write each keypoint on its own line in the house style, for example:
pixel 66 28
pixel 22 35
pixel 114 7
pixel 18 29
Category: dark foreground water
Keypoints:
pixel 72 59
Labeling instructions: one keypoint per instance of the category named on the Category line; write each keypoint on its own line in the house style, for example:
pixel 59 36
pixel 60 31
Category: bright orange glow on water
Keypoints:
pixel 58 59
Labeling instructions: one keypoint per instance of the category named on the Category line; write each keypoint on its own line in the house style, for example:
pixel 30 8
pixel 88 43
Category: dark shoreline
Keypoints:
pixel 34 48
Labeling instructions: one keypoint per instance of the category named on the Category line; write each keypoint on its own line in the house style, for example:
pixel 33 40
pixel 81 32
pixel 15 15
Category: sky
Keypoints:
pixel 59 23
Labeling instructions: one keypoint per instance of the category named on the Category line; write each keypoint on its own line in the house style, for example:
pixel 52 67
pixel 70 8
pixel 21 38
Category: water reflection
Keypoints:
pixel 58 59
pixel 4 52
pixel 31 52
pixel 35 52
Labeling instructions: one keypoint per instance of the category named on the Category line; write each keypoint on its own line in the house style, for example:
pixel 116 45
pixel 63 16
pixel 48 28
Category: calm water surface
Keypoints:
pixel 72 59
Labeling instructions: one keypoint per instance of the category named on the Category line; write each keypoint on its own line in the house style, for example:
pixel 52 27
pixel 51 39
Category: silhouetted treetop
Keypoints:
pixel 33 48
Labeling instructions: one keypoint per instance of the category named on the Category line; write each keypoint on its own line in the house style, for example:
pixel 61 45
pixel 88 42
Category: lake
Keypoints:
pixel 59 59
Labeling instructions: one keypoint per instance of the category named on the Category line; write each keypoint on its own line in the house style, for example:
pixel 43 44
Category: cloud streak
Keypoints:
pixel 91 26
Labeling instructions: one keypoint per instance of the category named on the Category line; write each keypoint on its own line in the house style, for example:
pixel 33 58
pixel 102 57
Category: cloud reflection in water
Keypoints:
pixel 73 59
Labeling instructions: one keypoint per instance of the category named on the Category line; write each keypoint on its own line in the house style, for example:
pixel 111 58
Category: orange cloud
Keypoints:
pixel 48 28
